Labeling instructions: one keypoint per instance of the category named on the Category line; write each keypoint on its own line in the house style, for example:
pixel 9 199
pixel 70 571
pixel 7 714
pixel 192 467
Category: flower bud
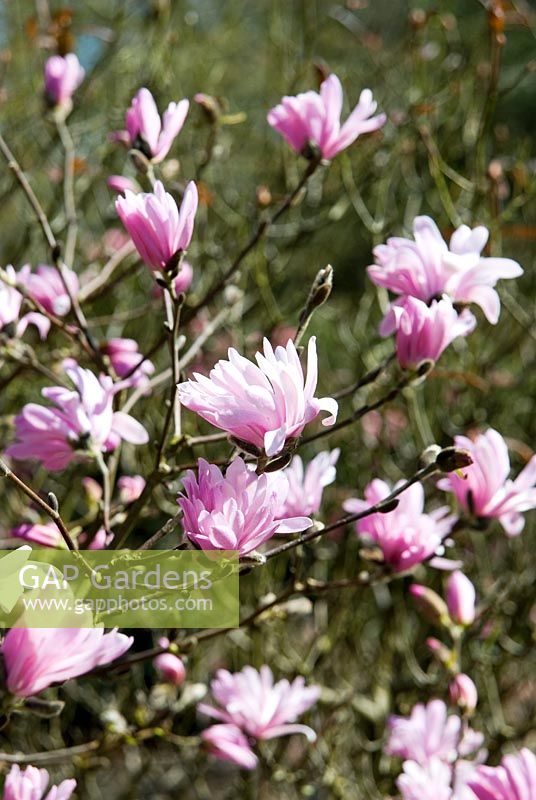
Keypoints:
pixel 439 650
pixel 463 693
pixel 461 597
pixel 170 667
pixel 429 603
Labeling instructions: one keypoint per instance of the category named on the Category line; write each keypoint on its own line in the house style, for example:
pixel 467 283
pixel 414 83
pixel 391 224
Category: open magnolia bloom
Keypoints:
pixel 514 779
pixel 485 491
pixel 32 783
pixel 427 268
pixel 259 707
pixel 81 422
pixel 264 405
pixel 313 120
pixel 145 131
pixel 235 512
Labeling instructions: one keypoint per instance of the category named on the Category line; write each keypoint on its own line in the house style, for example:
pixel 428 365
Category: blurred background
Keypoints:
pixel 457 80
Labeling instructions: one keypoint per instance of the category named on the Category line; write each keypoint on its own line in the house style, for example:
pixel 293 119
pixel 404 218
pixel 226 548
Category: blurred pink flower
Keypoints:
pixel 228 743
pixel 306 486
pixel 157 227
pixel 461 598
pixel 83 422
pixel 405 535
pixel 47 288
pixel 314 120
pixel 43 533
pixel 423 332
pixel 430 733
pixel 427 268
pixel 260 708
pixel 144 129
pixel 485 491
pixel 514 779
pixel 170 666
pixel 63 75
pixel 263 405
pixel 124 356
pixel 463 692
pixel 99 541
pixel 416 780
pixel 235 512
pixel 35 658
pixel 120 184
pixel 130 488
pixel 31 784
pixel 10 305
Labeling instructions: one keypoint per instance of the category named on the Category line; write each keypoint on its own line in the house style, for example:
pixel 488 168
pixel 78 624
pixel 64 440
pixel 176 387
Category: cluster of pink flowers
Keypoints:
pixel 437 275
pixel 237 512
pixel 145 131
pixel 252 707
pixel 265 405
pixel 35 658
pixel 82 423
pixel 310 122
pixel 32 783
pixel 406 535
pixel 435 747
pixel 485 491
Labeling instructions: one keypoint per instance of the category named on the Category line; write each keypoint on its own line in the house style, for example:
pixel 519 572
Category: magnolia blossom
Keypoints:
pixel 228 743
pixel 514 779
pixel 485 491
pixel 46 286
pixel 130 488
pixel 307 485
pixel 127 362
pixel 405 535
pixel 463 692
pixel 82 421
pixel 35 658
pixel 235 512
pixel 32 783
pixel 423 332
pixel 10 306
pixel 461 596
pixel 428 268
pixel 429 733
pixel 43 533
pixel 120 184
pixel 262 405
pixel 415 781
pixel 259 707
pixel 144 129
pixel 63 75
pixel 313 120
pixel 159 230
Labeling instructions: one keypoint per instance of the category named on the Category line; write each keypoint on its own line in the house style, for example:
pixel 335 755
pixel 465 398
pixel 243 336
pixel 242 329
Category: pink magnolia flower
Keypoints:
pixel 307 485
pixel 124 356
pixel 10 306
pixel 416 780
pixel 486 491
pixel 47 288
pixel 461 598
pixel 405 535
pixel 63 75
pixel 31 784
pixel 263 405
pixel 261 708
pixel 130 488
pixel 429 733
pixel 514 779
pixel 43 533
pixel 120 184
pixel 428 268
pixel 82 422
pixel 35 658
pixel 423 332
pixel 235 512
pixel 158 229
pixel 463 692
pixel 170 666
pixel 228 743
pixel 144 129
pixel 313 120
